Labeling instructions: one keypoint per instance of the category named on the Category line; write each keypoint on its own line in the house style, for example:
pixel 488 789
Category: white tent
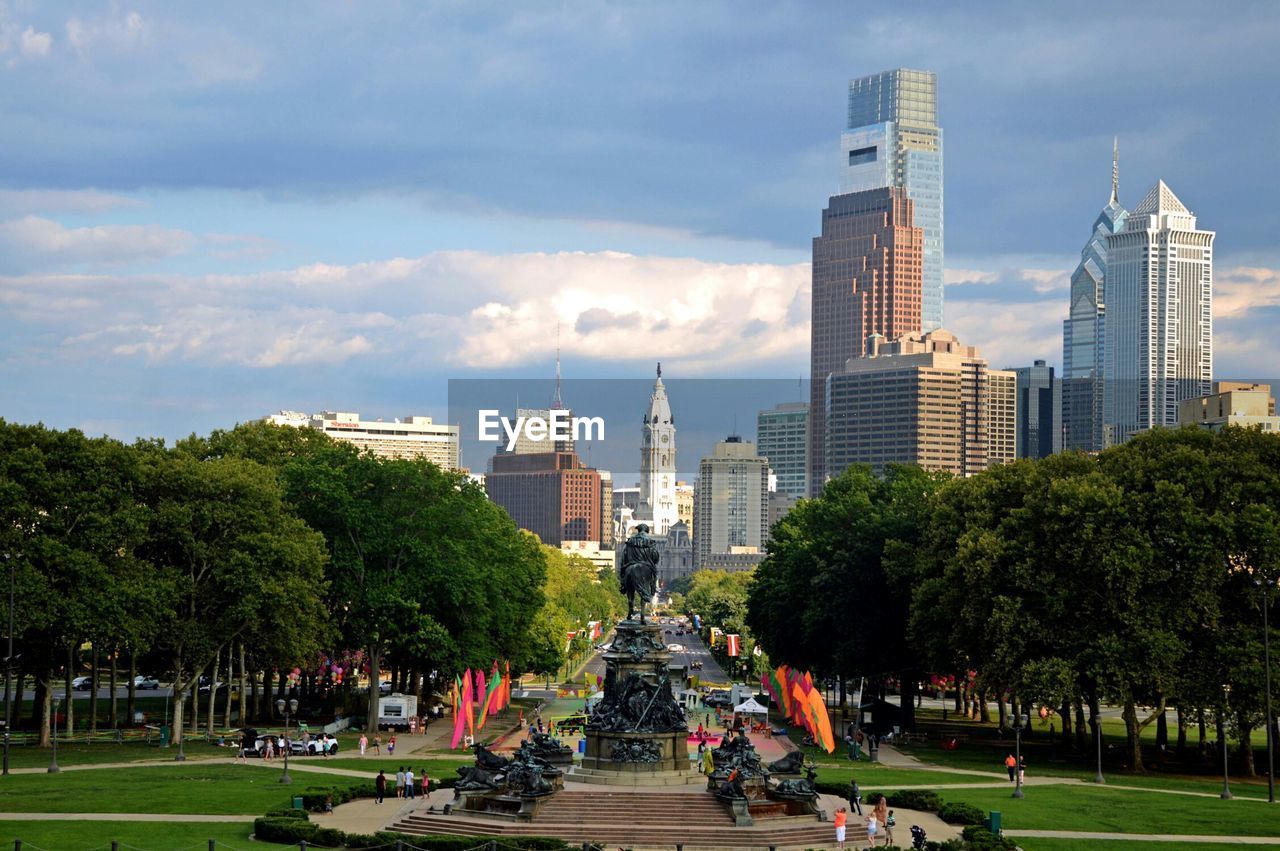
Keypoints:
pixel 750 707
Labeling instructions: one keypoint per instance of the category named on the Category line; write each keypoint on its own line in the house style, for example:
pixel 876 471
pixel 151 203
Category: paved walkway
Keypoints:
pixel 1142 837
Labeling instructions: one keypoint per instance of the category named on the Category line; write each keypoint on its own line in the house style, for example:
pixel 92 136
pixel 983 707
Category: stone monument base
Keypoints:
pixel 670 747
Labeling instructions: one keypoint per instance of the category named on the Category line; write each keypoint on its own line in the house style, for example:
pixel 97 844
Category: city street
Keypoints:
pixel 695 651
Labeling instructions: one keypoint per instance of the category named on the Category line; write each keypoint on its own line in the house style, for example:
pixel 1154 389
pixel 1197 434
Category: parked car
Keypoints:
pixel 718 698
pixel 675 648
pixel 204 685
pixel 146 683
pixel 82 684
pixel 317 746
pixel 384 687
pixel 571 725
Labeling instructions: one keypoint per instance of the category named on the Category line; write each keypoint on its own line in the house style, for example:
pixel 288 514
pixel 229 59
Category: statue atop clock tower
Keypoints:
pixel 658 462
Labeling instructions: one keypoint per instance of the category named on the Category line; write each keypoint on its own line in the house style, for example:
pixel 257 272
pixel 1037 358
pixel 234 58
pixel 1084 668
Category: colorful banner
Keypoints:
pixel 495 682
pixel 732 644
pixel 822 721
pixel 468 702
pixel 716 632
pixel 458 716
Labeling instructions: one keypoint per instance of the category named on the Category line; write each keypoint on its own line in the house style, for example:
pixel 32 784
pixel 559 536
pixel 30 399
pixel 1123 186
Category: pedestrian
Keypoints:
pixel 1022 769
pixel 873 827
pixel 391 746
pixel 855 797
pixel 408 783
pixel 842 816
pixel 377 744
pixel 426 784
pixel 271 749
pixel 882 819
pixel 364 743
pixel 400 782
pixel 1011 765
pixel 708 763
pixel 380 785
pixel 324 746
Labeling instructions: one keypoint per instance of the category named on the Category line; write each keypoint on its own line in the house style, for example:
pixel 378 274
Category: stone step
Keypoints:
pixel 810 835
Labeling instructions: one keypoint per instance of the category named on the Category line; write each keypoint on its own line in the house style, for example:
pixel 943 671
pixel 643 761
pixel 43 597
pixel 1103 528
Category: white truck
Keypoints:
pixel 395 710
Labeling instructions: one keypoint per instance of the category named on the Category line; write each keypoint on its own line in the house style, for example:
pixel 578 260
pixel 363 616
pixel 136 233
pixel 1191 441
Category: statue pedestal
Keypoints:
pixel 638 728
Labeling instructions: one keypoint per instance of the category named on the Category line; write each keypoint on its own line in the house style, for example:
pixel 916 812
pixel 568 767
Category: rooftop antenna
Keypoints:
pixel 1115 170
pixel 557 403
pixel 659 369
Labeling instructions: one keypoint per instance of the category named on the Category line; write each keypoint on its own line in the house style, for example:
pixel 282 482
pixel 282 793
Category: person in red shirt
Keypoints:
pixel 842 818
pixel 1012 765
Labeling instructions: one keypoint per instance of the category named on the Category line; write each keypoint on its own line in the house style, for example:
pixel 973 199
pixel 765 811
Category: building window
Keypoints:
pixel 862 156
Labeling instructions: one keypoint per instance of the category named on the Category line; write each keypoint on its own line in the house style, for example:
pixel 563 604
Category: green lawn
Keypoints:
pixel 148 836
pixel 435 766
pixel 211 789
pixel 1034 844
pixel 1100 809
pixel 882 779
pixel 96 754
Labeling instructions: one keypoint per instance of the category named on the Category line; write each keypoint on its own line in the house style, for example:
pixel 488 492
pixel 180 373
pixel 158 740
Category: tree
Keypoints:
pixel 223 539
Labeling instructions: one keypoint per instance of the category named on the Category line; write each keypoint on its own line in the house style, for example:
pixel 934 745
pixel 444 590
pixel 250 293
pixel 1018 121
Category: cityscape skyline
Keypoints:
pixel 164 277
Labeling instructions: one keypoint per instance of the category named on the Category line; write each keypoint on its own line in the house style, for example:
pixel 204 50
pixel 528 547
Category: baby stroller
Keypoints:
pixel 917 837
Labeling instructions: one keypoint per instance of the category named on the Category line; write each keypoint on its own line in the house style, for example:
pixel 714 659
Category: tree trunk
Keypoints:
pixel 1083 740
pixel 70 695
pixel 1244 753
pixel 131 704
pixel 213 690
pixel 1066 723
pixel 844 694
pixel 984 710
pixel 371 721
pixel 114 703
pixel 1133 735
pixel 44 699
pixel 1002 713
pixel 1182 734
pixel 231 671
pixel 194 688
pixel 255 707
pixel 244 703
pixel 907 717
pixel 1162 732
pixel 959 695
pixel 1200 724
pixel 177 734
pixel 93 692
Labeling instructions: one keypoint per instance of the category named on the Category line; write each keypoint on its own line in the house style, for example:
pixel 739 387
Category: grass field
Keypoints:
pixel 1037 844
pixel 146 836
pixel 1094 808
pixel 211 789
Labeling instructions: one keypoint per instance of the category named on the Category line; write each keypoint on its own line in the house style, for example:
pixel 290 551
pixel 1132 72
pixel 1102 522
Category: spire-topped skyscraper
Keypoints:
pixel 658 463
pixel 1082 331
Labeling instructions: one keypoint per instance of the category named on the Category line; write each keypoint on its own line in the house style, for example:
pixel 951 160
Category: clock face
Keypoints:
pixel 665 438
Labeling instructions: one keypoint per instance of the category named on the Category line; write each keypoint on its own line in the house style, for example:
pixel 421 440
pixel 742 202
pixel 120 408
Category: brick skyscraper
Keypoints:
pixel 867 280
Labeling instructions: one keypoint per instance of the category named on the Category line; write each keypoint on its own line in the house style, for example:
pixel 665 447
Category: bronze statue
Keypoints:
pixel 639 571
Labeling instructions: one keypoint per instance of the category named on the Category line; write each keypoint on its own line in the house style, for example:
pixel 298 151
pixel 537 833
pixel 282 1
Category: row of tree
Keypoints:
pixel 1135 578
pixel 275 545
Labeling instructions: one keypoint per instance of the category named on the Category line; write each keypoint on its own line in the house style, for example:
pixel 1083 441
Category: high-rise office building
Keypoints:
pixel 1082 330
pixel 782 438
pixel 409 437
pixel 1039 411
pixel 732 506
pixel 923 399
pixel 552 494
pixel 657 506
pixel 867 268
pixel 893 139
pixel 1158 333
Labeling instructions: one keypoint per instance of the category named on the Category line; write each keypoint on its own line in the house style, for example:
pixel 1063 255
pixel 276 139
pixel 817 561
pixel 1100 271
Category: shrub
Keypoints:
pixel 961 813
pixel 978 838
pixel 830 787
pixel 916 799
pixel 289 831
pixel 287 813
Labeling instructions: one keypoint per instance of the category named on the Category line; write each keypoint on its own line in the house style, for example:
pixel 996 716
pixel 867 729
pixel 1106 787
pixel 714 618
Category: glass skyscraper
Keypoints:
pixel 1083 329
pixel 893 139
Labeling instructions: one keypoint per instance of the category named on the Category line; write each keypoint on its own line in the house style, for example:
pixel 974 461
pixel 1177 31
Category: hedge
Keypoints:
pixel 961 813
pixel 916 799
pixel 978 838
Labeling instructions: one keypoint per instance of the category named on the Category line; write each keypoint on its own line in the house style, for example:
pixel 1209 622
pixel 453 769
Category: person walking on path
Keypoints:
pixel 364 743
pixel 377 744
pixel 426 784
pixel 1011 765
pixel 708 763
pixel 842 817
pixel 380 786
pixel 400 782
pixel 391 746
pixel 872 829
pixel 1022 769
pixel 408 783
pixel 855 796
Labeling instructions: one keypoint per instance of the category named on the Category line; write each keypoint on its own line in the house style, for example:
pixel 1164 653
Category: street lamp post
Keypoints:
pixel 8 668
pixel 286 709
pixel 1018 724
pixel 1222 741
pixel 1266 662
pixel 53 765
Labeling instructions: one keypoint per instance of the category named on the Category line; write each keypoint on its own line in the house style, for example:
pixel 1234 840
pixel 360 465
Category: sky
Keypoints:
pixel 210 212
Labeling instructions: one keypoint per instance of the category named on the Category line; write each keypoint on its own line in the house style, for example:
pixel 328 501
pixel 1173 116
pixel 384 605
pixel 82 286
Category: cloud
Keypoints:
pixel 466 309
pixel 118 34
pixel 1240 290
pixel 35 43
pixel 39 239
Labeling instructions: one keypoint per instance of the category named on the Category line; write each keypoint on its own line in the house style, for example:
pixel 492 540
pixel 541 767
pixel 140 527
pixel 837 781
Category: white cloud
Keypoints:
pixel 1239 290
pixel 118 34
pixel 951 277
pixel 35 43
pixel 33 237
pixel 464 308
